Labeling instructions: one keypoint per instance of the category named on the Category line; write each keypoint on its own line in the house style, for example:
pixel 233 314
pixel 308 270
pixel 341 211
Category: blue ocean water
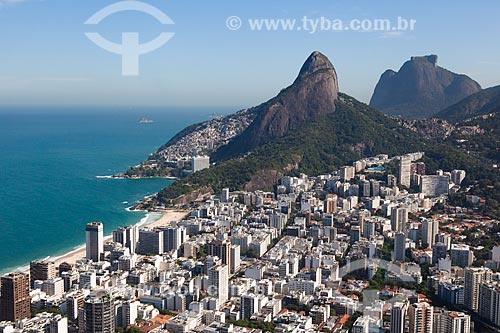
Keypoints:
pixel 50 158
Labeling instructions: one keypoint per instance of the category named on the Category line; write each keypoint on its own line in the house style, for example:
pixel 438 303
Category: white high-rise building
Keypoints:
pixel 473 277
pixel 88 280
pixel 58 324
pixel 200 162
pixel 457 176
pixel 451 322
pixel 489 302
pixel 218 283
pixel 225 195
pixel 430 228
pixel 421 318
pixel 129 313
pixel 94 232
pixel 405 170
pixel 434 185
pixel 361 325
pixel 347 172
pixel 235 258
pixel 53 287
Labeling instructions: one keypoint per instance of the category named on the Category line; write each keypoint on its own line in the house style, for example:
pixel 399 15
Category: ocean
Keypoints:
pixel 50 160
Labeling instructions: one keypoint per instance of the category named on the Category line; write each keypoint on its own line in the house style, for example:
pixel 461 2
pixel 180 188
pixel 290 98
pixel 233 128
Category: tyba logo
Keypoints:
pixel 130 49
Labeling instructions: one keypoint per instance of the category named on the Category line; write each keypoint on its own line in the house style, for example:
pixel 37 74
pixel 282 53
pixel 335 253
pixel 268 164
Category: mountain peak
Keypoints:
pixel 315 62
pixel 313 92
pixel 420 89
pixel 432 58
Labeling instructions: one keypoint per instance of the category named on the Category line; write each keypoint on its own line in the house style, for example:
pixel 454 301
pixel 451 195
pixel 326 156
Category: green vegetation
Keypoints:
pixel 251 253
pixel 54 310
pixel 168 312
pixel 353 131
pixel 352 319
pixel 264 326
pixel 322 144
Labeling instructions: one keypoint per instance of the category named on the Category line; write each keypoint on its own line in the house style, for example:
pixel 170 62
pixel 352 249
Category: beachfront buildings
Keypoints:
pixel 42 270
pixel 94 232
pixel 127 236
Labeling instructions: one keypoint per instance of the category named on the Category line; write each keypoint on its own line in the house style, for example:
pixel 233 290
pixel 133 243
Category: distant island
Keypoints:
pixel 146 121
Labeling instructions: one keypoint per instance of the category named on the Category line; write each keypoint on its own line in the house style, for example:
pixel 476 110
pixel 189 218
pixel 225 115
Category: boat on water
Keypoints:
pixel 146 121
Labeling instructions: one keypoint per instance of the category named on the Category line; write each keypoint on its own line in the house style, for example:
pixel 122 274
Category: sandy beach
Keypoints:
pixel 169 215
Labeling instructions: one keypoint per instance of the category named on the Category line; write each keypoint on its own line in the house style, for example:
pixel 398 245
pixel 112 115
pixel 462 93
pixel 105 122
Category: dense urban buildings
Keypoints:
pixel 348 251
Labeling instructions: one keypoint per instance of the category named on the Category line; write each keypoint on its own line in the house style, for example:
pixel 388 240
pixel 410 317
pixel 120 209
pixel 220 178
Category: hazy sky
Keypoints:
pixel 45 58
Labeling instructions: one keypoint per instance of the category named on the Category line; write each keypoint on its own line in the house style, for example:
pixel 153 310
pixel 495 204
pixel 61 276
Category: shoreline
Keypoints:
pixel 165 217
pixel 151 219
pixel 127 177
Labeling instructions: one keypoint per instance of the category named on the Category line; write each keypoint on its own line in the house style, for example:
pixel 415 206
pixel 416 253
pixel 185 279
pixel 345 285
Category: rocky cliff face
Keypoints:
pixel 313 92
pixel 420 89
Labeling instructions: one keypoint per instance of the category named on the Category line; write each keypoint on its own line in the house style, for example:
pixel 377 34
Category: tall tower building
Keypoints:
pixel 330 205
pixel 225 195
pixel 347 173
pixel 221 249
pixel 127 236
pixel 399 219
pixel 235 258
pixel 249 305
pixel 421 318
pixel 99 312
pixel 218 283
pixel 128 313
pixel 473 277
pixel 451 322
pixel 405 170
pixel 375 188
pixel 173 238
pixel 94 241
pixel 151 241
pixel 15 297
pixel 398 317
pixel 42 270
pixel 439 251
pixel 74 303
pixel 399 247
pixel 430 228
pixel 461 255
pixel 489 302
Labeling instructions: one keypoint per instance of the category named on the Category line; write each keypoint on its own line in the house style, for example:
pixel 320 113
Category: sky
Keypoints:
pixel 46 58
